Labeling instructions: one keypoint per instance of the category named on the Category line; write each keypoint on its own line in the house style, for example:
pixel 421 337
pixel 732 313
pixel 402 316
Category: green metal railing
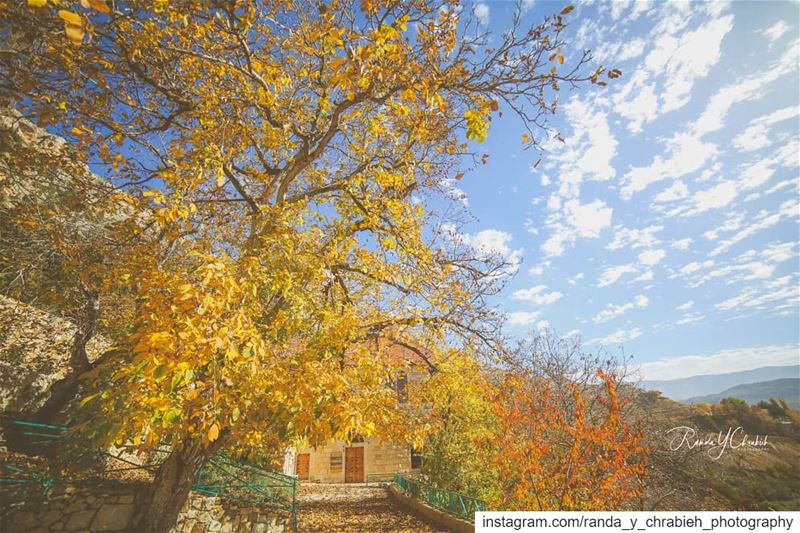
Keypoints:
pixel 221 476
pixel 453 503
pixel 237 480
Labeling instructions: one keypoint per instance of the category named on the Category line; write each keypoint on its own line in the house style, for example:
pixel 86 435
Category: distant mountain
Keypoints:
pixel 691 387
pixel 752 393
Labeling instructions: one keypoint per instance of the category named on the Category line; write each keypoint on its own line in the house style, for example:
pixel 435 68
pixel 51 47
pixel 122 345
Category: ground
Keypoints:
pixel 354 508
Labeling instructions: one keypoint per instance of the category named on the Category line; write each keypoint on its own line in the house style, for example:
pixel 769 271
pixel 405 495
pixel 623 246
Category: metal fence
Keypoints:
pixel 221 476
pixel 241 481
pixel 453 503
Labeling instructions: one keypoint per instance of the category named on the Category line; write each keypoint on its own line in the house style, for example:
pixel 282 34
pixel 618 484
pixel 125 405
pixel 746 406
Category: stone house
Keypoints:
pixel 363 459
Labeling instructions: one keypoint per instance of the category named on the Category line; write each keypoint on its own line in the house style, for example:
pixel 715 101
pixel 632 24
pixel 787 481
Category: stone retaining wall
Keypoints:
pixel 427 512
pixel 110 507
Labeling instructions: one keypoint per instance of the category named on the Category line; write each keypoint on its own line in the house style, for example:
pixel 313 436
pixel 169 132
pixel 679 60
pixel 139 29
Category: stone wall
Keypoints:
pixel 110 507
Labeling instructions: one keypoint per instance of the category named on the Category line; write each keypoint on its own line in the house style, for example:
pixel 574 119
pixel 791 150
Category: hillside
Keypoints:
pixel 741 478
pixel 787 389
pixel 691 387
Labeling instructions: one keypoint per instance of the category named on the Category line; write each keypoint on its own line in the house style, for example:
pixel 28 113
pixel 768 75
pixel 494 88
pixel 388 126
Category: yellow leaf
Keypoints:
pixel 526 138
pixel 213 433
pixel 70 18
pixel 567 9
pixel 74 34
pixel 37 3
pixel 99 5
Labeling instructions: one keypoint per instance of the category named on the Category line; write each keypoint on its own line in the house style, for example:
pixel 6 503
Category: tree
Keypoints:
pixel 287 147
pixel 458 421
pixel 546 428
pixel 549 458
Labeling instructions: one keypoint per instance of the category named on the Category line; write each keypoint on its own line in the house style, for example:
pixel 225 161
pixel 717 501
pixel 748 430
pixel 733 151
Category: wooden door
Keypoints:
pixel 303 460
pixel 354 465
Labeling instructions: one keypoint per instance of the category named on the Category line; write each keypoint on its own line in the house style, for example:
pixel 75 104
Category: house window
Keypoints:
pixel 416 458
pixel 336 462
pixel 401 384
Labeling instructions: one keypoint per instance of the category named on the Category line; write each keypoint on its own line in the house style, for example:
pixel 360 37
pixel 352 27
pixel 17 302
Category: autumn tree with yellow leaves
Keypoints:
pixel 286 151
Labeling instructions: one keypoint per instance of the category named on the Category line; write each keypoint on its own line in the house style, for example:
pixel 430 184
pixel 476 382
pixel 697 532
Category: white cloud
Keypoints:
pixel 481 11
pixel 749 88
pixel 635 238
pixel 763 220
pixel 523 318
pixel 776 31
pixel 678 55
pixel 751 139
pixel 642 107
pixel 538 270
pixel 720 195
pixel 527 5
pixel 450 190
pixel 537 295
pixel 682 244
pixel 751 265
pixel 696 52
pixel 588 219
pixel 651 257
pixel 488 242
pixel 542 324
pixel 677 191
pixel 732 360
pixel 685 154
pixel 695 266
pixel 732 223
pixel 588 151
pixel 574 280
pixel 631 48
pixel 612 274
pixel 685 306
pixel 612 311
pixel 560 236
pixel 584 220
pixel 781 185
pixel 690 318
pixel 618 337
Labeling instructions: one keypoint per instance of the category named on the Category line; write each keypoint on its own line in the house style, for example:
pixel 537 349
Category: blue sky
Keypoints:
pixel 668 221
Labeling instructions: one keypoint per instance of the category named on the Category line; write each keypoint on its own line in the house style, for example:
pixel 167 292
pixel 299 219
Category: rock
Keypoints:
pixel 80 520
pixel 113 517
pixel 49 518
pixel 127 498
pixel 23 521
pixel 75 506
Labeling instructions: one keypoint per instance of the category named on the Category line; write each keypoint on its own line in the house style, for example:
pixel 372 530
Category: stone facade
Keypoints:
pixel 381 460
pixel 107 508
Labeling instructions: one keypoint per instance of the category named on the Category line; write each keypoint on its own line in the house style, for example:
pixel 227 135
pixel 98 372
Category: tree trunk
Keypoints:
pixel 174 480
pixel 63 391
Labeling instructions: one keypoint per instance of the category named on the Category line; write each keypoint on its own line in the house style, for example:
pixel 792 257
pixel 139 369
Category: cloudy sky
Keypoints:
pixel 668 221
